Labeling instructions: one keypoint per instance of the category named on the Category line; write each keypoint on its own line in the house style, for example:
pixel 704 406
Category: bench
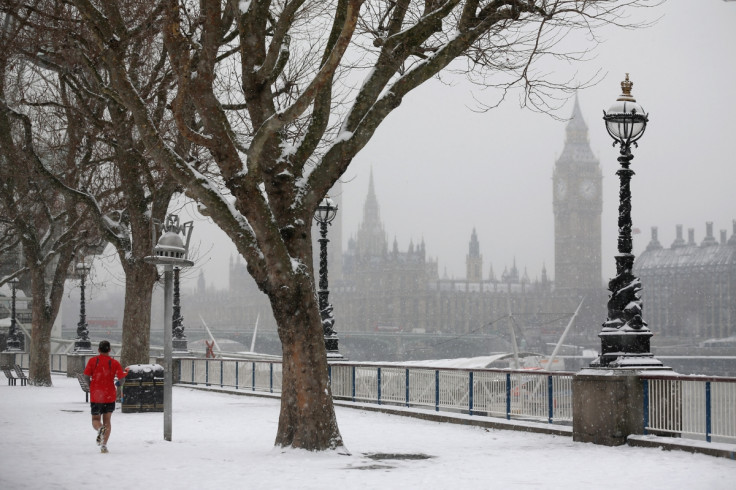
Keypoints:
pixel 84 384
pixel 8 374
pixel 21 375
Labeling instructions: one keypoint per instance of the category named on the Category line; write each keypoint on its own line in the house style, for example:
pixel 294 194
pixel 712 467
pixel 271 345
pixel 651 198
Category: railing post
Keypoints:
pixel 437 390
pixel 708 427
pixel 237 374
pixel 353 382
pixel 206 373
pixel 192 371
pixel 508 396
pixel 550 399
pixel 407 387
pixel 271 376
pixel 222 377
pixel 378 385
pixel 645 389
pixel 253 384
pixel 470 393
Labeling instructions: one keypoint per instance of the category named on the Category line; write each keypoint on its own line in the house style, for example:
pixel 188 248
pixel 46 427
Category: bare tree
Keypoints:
pixel 122 187
pixel 50 229
pixel 282 94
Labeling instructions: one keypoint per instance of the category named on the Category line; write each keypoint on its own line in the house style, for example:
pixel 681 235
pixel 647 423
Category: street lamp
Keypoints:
pixel 170 250
pixel 82 342
pixel 13 342
pixel 625 336
pixel 326 212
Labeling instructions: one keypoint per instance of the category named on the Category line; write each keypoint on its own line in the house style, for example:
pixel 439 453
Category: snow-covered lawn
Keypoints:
pixel 225 441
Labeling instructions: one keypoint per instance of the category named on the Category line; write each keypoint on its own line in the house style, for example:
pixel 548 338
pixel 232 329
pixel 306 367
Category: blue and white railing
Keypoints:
pixel 693 407
pixel 530 395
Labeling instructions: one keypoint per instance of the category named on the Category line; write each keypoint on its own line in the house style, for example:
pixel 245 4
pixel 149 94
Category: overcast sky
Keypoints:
pixel 441 169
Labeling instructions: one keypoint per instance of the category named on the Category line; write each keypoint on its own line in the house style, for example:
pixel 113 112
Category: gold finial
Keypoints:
pixel 626 90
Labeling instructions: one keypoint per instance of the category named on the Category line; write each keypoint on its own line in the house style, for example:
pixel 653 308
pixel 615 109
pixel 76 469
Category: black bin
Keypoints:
pixel 143 390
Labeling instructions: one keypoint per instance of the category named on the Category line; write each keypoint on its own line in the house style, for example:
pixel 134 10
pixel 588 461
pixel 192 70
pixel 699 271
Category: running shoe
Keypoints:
pixel 103 449
pixel 101 434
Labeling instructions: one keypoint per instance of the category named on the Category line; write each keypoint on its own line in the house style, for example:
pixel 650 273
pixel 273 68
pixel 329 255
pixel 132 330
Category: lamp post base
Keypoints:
pixel 82 345
pixel 626 350
pixel 333 354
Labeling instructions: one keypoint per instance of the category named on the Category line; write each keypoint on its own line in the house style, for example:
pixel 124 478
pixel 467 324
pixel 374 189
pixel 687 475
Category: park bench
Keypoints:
pixel 84 384
pixel 21 375
pixel 8 374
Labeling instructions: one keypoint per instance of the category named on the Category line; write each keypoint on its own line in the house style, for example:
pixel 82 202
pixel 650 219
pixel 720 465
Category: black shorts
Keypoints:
pixel 100 408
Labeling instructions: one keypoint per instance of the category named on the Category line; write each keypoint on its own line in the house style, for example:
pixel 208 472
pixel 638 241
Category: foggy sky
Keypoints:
pixel 441 169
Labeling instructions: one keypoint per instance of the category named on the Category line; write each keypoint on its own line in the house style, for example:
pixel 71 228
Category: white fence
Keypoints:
pixel 693 407
pixel 529 395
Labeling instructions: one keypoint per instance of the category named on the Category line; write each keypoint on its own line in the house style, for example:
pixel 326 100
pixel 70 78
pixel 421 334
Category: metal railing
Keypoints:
pixel 529 395
pixel 693 407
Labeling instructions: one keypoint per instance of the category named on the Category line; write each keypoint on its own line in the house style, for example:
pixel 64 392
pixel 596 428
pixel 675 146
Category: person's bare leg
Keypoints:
pixel 96 422
pixel 106 419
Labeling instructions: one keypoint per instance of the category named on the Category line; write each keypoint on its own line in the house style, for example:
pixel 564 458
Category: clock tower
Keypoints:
pixel 577 204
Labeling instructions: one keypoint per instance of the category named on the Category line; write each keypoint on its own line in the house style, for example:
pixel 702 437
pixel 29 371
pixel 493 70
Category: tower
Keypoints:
pixel 371 240
pixel 474 260
pixel 577 204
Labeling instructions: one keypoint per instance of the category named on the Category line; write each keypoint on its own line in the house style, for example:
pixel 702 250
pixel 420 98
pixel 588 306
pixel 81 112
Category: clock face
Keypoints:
pixel 561 189
pixel 587 189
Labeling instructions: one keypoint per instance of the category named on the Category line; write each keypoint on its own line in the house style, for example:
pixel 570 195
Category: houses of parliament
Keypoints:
pixel 689 288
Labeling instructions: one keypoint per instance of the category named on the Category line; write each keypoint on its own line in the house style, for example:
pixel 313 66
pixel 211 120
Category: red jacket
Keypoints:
pixel 102 370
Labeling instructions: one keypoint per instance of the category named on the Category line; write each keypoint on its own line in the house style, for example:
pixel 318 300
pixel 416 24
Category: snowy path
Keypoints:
pixel 226 441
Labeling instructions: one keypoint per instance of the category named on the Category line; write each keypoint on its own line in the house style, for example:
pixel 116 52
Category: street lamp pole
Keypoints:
pixel 179 342
pixel 82 343
pixel 13 342
pixel 625 336
pixel 169 251
pixel 325 214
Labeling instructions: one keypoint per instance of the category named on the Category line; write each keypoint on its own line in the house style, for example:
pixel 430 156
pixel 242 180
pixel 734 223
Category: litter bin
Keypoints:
pixel 143 390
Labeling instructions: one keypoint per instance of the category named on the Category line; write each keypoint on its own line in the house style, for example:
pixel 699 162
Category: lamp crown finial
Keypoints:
pixel 626 90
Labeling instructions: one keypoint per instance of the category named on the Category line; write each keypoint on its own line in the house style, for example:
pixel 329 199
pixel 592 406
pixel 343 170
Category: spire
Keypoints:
pixel 474 246
pixel 577 130
pixel 577 147
pixel 371 238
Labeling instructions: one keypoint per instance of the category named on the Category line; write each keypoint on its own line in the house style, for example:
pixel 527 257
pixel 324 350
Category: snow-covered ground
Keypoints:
pixel 226 441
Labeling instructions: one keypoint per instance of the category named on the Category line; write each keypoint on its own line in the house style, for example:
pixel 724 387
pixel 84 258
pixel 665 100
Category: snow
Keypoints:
pixel 226 441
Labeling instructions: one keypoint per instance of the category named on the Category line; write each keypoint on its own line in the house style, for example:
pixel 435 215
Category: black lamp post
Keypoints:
pixel 326 212
pixel 170 250
pixel 625 336
pixel 82 343
pixel 179 341
pixel 13 342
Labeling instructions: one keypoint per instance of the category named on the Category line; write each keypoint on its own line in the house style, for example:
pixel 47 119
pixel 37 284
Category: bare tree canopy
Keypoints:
pixel 282 94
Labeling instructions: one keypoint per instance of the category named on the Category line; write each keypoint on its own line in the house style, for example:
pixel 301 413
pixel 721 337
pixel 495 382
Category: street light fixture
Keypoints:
pixel 324 215
pixel 13 342
pixel 625 336
pixel 82 343
pixel 170 251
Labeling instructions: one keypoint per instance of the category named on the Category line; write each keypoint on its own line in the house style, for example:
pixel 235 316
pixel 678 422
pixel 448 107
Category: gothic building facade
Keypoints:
pixel 690 288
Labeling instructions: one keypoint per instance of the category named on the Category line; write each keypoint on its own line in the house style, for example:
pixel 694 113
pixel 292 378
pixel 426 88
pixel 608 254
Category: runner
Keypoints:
pixel 102 371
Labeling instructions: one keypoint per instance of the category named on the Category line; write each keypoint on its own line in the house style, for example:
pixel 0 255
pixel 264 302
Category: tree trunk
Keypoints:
pixel 307 418
pixel 137 314
pixel 39 370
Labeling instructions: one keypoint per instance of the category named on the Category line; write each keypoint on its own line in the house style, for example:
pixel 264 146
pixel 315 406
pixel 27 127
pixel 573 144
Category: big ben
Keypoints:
pixel 577 204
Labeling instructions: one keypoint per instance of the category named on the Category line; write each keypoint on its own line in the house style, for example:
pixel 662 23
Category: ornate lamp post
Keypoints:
pixel 179 341
pixel 625 336
pixel 170 250
pixel 82 343
pixel 13 342
pixel 326 212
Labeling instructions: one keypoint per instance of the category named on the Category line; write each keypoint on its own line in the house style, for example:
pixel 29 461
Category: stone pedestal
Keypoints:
pixel 7 359
pixel 75 363
pixel 608 406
